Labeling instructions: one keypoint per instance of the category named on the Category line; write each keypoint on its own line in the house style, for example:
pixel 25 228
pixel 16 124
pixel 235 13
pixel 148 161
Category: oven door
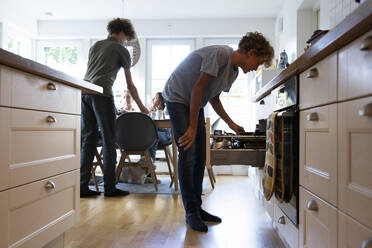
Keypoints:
pixel 287 154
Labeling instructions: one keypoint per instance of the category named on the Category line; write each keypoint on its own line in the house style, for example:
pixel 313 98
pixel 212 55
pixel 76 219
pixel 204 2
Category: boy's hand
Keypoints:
pixel 187 138
pixel 237 129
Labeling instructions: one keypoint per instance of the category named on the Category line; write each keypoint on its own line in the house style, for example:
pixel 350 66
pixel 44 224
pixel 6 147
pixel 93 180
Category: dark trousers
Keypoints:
pixel 98 112
pixel 191 163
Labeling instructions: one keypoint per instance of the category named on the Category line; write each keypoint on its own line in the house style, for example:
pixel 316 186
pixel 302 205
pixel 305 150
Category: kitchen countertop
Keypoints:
pixel 14 61
pixel 353 26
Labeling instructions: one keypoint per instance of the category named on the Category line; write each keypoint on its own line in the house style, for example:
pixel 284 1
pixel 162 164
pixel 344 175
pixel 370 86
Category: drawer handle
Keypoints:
pixel 49 186
pixel 262 102
pixel 312 117
pixel 312 205
pixel 51 86
pixel 366 44
pixel 366 110
pixel 51 119
pixel 313 73
pixel 366 243
pixel 281 220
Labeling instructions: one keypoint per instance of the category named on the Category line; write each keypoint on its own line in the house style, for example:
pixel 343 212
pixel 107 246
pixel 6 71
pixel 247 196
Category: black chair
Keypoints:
pixel 135 134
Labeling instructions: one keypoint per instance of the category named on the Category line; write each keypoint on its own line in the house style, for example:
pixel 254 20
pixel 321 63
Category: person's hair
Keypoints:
pixel 261 46
pixel 118 25
pixel 161 102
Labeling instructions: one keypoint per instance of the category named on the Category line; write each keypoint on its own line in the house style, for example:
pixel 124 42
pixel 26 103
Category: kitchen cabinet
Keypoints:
pixel 355 68
pixel 354 156
pixel 335 96
pixel 351 233
pixel 40 152
pixel 318 151
pixel 318 220
pixel 318 84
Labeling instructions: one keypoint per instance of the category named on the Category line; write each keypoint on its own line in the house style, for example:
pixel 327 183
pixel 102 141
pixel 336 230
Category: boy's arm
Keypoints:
pixel 217 106
pixel 133 91
pixel 188 137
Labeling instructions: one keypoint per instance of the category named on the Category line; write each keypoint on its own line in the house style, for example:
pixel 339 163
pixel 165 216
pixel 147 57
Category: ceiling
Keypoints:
pixel 142 9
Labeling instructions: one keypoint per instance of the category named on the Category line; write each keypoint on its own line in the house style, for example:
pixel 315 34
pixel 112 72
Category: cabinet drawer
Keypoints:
pixel 255 158
pixel 318 222
pixel 354 156
pixel 23 90
pixel 318 151
pixel 32 148
pixel 264 107
pixel 285 227
pixel 318 84
pixel 32 215
pixel 355 68
pixel 352 233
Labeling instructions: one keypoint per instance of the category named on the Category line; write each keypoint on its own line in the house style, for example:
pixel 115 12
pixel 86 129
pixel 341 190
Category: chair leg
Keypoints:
pixel 99 160
pixel 211 176
pixel 120 165
pixel 168 156
pixel 94 177
pixel 151 167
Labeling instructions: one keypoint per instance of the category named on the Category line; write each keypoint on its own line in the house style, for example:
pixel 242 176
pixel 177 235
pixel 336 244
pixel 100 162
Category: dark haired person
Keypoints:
pixel 199 79
pixel 106 57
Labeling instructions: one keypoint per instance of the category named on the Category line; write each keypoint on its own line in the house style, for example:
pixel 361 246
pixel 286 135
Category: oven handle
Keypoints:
pixel 286 114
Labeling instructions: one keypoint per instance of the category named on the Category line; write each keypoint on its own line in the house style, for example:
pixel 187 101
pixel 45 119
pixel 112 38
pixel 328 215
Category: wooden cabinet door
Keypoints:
pixel 351 233
pixel 355 68
pixel 34 214
pixel 36 145
pixel 355 159
pixel 318 222
pixel 318 84
pixel 318 151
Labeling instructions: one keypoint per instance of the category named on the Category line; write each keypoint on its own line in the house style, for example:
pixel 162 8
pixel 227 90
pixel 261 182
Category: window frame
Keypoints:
pixel 160 41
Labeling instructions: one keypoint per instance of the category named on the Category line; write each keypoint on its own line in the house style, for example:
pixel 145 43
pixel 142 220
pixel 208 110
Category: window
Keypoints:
pixel 62 55
pixel 236 102
pixel 17 42
pixel 163 58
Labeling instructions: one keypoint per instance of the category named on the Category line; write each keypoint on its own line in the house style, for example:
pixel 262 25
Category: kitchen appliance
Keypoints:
pixel 286 104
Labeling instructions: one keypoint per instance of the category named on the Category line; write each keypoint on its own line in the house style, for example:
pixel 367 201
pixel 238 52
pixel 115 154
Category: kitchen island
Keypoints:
pixel 40 112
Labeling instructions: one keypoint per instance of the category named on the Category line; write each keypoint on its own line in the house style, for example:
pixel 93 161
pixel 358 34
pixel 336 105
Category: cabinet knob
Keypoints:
pixel 366 110
pixel 312 205
pixel 51 119
pixel 313 73
pixel 366 44
pixel 51 86
pixel 262 102
pixel 281 220
pixel 366 243
pixel 49 186
pixel 312 117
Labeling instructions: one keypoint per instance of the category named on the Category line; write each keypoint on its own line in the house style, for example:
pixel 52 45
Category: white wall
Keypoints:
pixel 299 22
pixel 162 28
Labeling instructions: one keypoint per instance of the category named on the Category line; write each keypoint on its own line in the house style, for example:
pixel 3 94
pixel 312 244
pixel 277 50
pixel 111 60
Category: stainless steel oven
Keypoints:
pixel 285 99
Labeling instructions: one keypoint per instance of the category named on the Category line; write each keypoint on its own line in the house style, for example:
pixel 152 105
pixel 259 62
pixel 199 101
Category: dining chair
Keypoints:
pixel 135 134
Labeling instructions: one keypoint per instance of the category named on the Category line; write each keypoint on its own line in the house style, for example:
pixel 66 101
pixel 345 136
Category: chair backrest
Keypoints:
pixel 135 131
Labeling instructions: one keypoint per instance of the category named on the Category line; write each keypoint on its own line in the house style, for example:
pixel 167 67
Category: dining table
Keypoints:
pixel 166 123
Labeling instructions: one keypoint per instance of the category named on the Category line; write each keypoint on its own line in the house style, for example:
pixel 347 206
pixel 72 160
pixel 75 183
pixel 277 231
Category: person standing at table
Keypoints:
pixel 199 78
pixel 106 57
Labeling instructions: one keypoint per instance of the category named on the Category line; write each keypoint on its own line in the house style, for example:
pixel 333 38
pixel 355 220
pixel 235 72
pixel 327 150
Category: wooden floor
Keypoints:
pixel 150 220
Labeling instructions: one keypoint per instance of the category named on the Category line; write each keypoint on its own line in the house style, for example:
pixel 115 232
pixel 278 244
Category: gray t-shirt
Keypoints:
pixel 213 60
pixel 106 57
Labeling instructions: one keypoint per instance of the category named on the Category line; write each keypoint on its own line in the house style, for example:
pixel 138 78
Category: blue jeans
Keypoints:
pixel 165 137
pixel 191 163
pixel 97 112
